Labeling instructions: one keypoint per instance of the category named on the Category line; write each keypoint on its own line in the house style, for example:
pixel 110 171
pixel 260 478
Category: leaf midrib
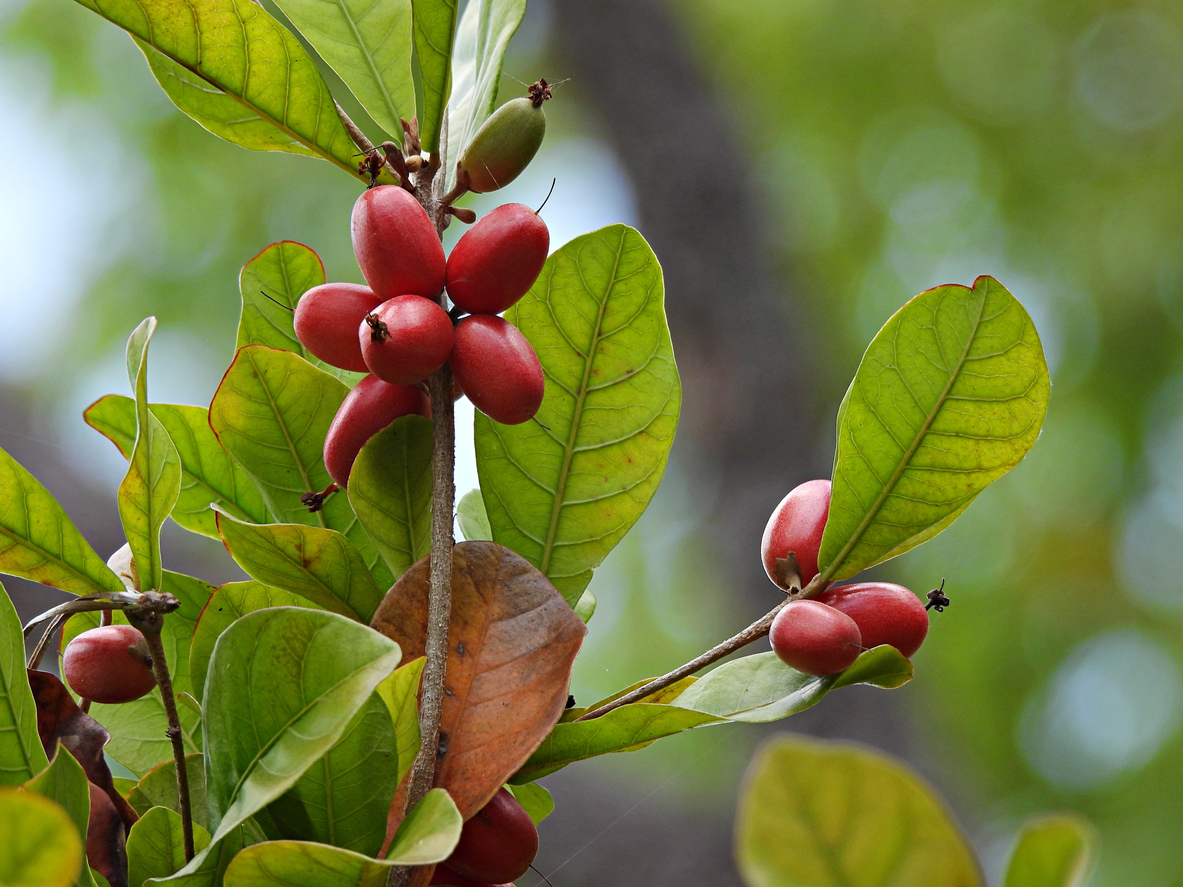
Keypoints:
pixel 569 449
pixel 368 56
pixel 906 459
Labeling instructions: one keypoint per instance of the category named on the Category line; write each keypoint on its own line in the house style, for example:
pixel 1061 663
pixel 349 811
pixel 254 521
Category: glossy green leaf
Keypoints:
pixel 429 832
pixel 949 396
pixel 368 44
pixel 64 782
pixel 816 814
pixel 21 754
pixel 38 541
pixel 1053 851
pixel 482 37
pixel 563 491
pixel 153 481
pixel 760 688
pixel 321 565
pixel 535 800
pixel 472 517
pixel 400 692
pixel 41 847
pixel 208 476
pixel 271 413
pixel 158 788
pixel 217 111
pixel 227 604
pixel 269 717
pixel 281 273
pixel 390 490
pixel 236 47
pixel 208 866
pixel 434 32
pixel 343 798
pixel 156 845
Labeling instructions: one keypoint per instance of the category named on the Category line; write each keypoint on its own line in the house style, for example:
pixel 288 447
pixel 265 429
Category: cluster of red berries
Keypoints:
pixel 396 330
pixel 825 635
pixel 496 847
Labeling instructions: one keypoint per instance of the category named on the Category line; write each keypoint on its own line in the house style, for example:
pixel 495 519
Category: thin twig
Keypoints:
pixel 753 632
pixel 39 650
pixel 359 138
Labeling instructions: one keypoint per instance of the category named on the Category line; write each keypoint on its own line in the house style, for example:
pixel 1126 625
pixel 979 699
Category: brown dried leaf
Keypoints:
pixel 106 839
pixel 60 719
pixel 512 641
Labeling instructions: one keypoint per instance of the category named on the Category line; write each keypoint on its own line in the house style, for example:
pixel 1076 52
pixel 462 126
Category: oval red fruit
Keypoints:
pixel 405 339
pixel 396 244
pixel 497 369
pixel 885 614
pixel 366 410
pixel 445 877
pixel 796 525
pixel 815 639
pixel 497 260
pixel 498 843
pixel 109 664
pixel 326 322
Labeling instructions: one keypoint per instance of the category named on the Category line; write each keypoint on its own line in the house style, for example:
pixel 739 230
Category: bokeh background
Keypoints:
pixel 801 168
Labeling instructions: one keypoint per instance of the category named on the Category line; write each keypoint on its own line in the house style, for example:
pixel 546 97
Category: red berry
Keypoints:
pixel 884 614
pixel 396 244
pixel 445 877
pixel 326 322
pixel 498 370
pixel 366 410
pixel 406 339
pixel 498 259
pixel 814 638
pixel 796 525
pixel 109 664
pixel 498 843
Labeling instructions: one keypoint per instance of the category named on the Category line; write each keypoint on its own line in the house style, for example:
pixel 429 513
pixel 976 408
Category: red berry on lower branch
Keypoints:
pixel 396 244
pixel 406 339
pixel 497 844
pixel 109 664
pixel 498 370
pixel 796 527
pixel 445 877
pixel 814 638
pixel 366 410
pixel 884 613
pixel 326 322
pixel 496 262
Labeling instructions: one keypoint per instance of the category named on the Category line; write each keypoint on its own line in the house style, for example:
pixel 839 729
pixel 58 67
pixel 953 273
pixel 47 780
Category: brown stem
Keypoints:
pixel 753 632
pixel 39 650
pixel 149 625
pixel 355 133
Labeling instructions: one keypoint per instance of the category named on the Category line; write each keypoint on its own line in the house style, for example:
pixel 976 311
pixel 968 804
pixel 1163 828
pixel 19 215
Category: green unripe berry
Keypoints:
pixel 505 144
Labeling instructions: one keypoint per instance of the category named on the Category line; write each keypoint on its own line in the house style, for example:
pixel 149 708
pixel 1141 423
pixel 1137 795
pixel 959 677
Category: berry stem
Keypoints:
pixel 753 632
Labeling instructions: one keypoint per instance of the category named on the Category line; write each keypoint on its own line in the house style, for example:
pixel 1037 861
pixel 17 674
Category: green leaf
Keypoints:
pixel 815 814
pixel 138 738
pixel 158 788
pixel 368 44
pixel 428 834
pixel 218 112
pixel 321 565
pixel 271 413
pixel 434 31
pixel 949 396
pixel 390 490
pixel 239 49
pixel 65 782
pixel 207 474
pixel 21 754
pixel 153 481
pixel 535 800
pixel 343 799
pixel 481 40
pixel 400 692
pixel 41 846
pixel 227 604
pixel 472 517
pixel 563 491
pixel 283 687
pixel 38 541
pixel 156 846
pixel 1053 851
pixel 760 688
pixel 284 272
